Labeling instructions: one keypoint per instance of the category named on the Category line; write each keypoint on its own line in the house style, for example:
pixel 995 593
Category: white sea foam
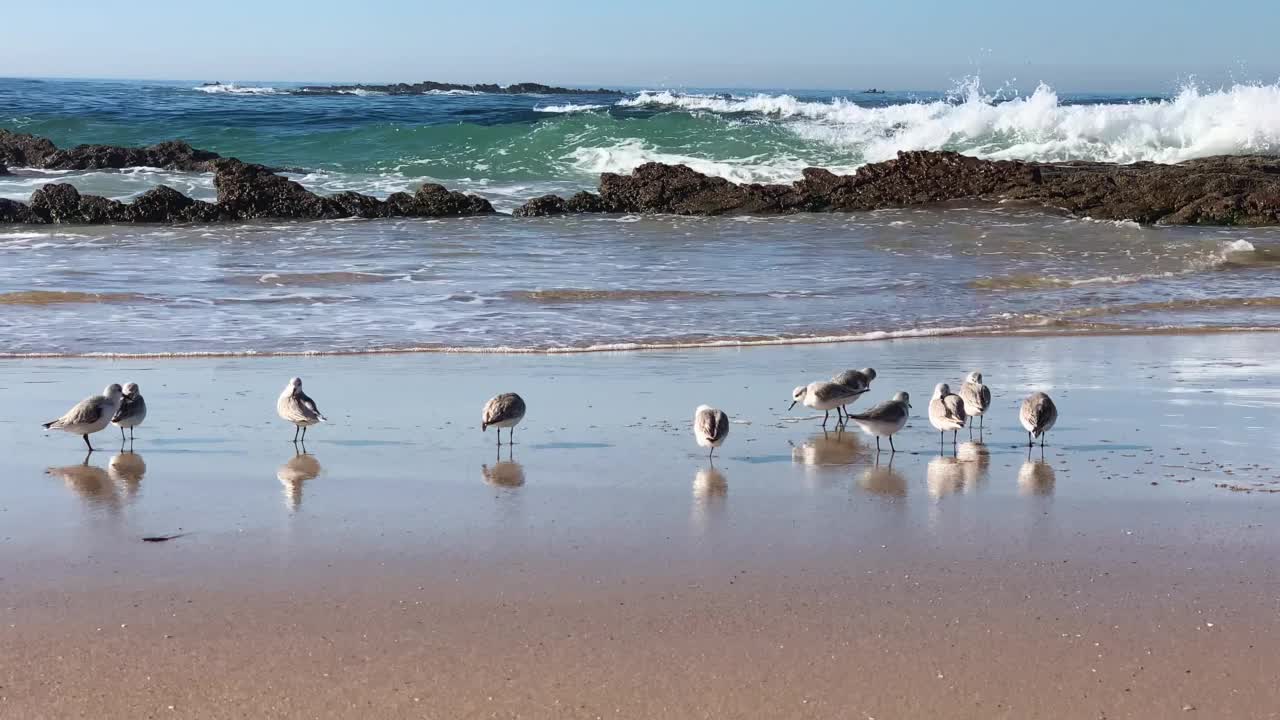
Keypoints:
pixel 627 155
pixel 233 89
pixel 452 92
pixel 568 108
pixel 1195 123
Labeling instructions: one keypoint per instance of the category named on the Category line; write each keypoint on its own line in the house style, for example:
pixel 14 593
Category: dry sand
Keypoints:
pixel 401 571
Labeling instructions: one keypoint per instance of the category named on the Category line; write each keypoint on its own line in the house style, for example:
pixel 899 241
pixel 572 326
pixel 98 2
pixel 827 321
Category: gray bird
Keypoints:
pixel 89 415
pixel 710 427
pixel 294 406
pixel 976 396
pixel 504 411
pixel 1038 416
pixel 885 419
pixel 856 379
pixel 825 396
pixel 133 410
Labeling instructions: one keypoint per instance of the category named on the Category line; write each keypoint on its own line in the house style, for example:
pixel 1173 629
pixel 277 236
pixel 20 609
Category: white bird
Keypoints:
pixel 710 427
pixel 946 412
pixel 1038 416
pixel 885 419
pixel 504 411
pixel 89 415
pixel 133 410
pixel 825 396
pixel 976 396
pixel 294 406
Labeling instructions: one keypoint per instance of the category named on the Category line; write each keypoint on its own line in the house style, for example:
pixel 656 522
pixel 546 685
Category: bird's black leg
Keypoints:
pixel 296 430
pixel 1030 442
pixel 499 436
pixel 304 434
pixel 891 447
pixel 122 436
pixel 511 436
pixel 86 442
pixel 877 445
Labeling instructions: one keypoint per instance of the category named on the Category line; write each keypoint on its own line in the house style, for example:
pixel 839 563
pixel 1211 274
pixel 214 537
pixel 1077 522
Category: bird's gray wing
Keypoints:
pixel 984 394
pixel 86 412
pixel 722 426
pixel 503 407
pixel 886 411
pixel 954 407
pixel 833 391
pixel 707 422
pixel 307 403
pixel 1037 411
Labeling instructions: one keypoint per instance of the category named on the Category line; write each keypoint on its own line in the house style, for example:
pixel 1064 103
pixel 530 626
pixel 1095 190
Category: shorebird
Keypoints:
pixel 133 410
pixel 946 412
pixel 504 411
pixel 1038 416
pixel 710 428
pixel 856 379
pixel 976 396
pixel 885 419
pixel 825 396
pixel 89 415
pixel 294 406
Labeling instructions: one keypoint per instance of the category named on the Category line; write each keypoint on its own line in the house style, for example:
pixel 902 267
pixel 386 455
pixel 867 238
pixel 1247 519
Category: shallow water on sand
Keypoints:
pixel 607 448
pixel 617 282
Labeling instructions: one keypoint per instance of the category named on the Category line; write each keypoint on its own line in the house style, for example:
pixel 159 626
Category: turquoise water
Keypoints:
pixel 610 282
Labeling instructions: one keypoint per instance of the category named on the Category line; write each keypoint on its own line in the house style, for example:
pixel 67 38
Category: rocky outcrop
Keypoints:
pixel 428 86
pixel 245 192
pixel 23 150
pixel 1225 190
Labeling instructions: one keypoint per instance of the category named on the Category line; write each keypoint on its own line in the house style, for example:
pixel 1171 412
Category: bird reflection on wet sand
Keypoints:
pixel 1036 477
pixel 90 482
pixel 126 470
pixel 709 484
pixel 944 476
pixel 828 449
pixel 883 480
pixel 975 459
pixel 299 469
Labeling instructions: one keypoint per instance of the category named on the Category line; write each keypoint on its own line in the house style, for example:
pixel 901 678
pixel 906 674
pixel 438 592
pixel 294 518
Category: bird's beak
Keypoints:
pixel 793 404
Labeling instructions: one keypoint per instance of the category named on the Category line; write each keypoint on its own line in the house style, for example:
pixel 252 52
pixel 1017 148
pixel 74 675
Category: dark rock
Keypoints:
pixel 679 190
pixel 23 150
pixel 429 86
pixel 541 207
pixel 12 211
pixel 4 170
pixel 353 204
pixel 250 192
pixel 164 204
pixel 585 202
pixel 434 200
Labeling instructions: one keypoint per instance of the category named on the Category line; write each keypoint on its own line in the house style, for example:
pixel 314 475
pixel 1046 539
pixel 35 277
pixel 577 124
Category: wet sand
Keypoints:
pixel 402 570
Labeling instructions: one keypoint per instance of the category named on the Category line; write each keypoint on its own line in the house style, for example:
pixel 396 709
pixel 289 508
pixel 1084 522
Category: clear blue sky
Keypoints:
pixel 906 44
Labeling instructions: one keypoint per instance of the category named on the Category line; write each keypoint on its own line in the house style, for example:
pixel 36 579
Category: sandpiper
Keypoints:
pixel 89 415
pixel 885 419
pixel 1038 416
pixel 504 411
pixel 296 407
pixel 946 412
pixel 710 428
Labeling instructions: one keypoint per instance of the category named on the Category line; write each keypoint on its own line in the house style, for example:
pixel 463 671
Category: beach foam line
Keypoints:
pixel 1047 328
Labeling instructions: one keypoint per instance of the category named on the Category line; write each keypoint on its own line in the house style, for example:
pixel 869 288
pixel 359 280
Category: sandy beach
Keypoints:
pixel 601 568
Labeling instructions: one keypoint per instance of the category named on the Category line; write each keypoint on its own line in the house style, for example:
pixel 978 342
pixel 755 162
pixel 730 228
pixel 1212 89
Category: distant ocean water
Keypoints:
pixel 614 282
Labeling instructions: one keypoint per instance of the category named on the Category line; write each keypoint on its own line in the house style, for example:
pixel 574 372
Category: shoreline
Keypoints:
pixel 872 337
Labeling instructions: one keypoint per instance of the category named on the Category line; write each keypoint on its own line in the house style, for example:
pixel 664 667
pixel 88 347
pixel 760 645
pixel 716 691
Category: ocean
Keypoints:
pixel 588 283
